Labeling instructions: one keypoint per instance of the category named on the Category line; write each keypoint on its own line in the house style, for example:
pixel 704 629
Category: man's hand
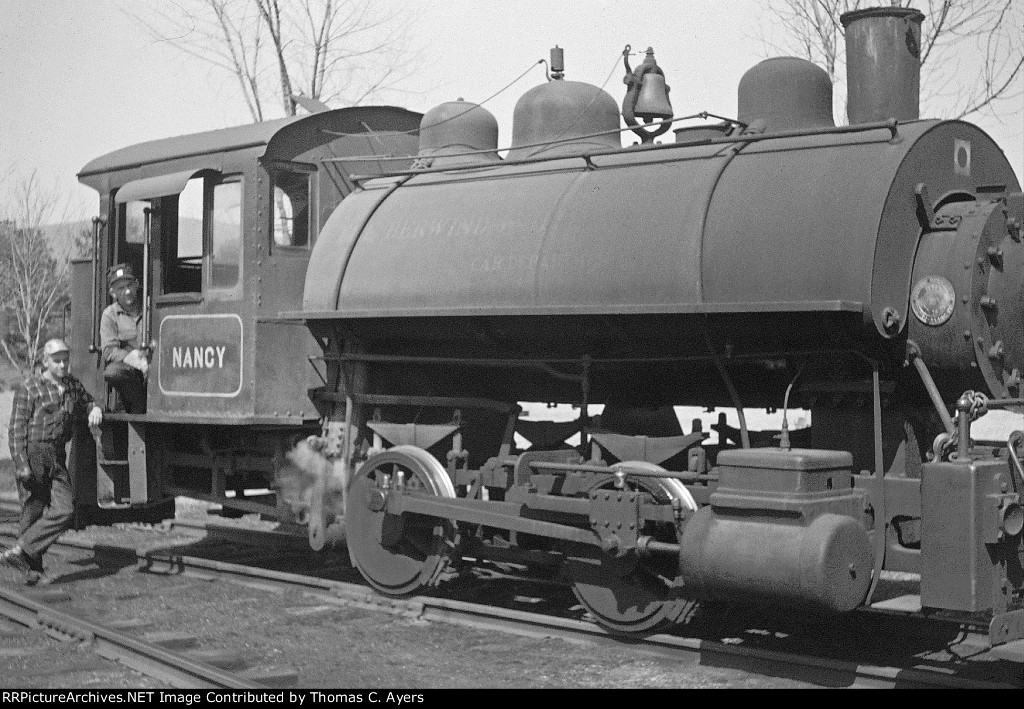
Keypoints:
pixel 95 417
pixel 137 359
pixel 23 474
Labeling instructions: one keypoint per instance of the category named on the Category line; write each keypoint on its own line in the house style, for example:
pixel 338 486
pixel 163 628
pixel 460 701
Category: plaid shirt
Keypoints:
pixel 41 412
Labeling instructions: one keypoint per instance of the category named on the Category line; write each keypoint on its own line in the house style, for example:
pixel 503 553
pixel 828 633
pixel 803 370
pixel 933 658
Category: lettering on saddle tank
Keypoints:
pixel 198 357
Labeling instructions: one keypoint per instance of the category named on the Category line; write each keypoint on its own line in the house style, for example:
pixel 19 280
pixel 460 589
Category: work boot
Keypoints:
pixel 16 559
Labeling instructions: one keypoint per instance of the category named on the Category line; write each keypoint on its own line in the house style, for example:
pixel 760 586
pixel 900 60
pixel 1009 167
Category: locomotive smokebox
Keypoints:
pixel 883 63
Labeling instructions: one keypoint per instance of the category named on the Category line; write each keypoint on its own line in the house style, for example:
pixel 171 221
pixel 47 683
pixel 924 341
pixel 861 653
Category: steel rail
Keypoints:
pixel 676 646
pixel 538 625
pixel 841 672
pixel 836 672
pixel 153 661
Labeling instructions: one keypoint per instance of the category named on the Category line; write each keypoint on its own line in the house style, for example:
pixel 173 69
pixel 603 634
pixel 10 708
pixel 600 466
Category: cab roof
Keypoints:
pixel 293 134
pixel 183 146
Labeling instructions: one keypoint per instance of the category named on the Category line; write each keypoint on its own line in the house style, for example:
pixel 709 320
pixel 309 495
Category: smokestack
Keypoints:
pixel 883 63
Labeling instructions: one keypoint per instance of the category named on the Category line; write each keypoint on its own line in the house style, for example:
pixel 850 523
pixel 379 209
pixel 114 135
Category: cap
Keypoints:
pixel 119 272
pixel 54 346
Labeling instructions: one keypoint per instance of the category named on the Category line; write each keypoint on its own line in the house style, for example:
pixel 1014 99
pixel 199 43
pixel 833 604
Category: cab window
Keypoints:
pixel 200 234
pixel 134 221
pixel 131 234
pixel 290 211
pixel 225 228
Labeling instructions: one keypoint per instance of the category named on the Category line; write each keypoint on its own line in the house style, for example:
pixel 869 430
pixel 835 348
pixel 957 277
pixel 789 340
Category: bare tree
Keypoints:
pixel 34 283
pixel 81 244
pixel 972 51
pixel 326 50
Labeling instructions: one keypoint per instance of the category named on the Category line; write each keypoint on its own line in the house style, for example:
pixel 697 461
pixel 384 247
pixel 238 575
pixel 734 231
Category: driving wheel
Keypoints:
pixel 398 554
pixel 636 595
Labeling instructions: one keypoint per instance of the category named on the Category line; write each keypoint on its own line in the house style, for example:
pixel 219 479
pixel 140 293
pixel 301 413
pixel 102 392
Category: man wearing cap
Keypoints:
pixel 40 428
pixel 121 338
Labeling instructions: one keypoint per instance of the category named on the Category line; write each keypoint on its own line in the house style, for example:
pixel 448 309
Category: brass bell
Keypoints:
pixel 652 101
pixel 646 98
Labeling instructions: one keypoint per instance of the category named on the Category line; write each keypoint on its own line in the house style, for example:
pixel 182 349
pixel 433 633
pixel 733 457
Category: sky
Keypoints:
pixel 80 78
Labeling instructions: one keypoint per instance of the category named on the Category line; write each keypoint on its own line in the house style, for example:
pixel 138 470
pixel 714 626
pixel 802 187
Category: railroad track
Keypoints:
pixel 150 659
pixel 34 609
pixel 755 660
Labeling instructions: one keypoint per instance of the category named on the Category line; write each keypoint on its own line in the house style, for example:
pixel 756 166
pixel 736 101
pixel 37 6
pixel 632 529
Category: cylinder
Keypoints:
pixel 825 565
pixel 883 63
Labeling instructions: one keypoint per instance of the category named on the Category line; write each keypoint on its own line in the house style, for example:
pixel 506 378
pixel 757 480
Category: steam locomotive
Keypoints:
pixel 387 288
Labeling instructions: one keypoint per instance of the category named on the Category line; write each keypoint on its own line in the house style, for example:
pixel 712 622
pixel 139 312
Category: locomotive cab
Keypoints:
pixel 219 228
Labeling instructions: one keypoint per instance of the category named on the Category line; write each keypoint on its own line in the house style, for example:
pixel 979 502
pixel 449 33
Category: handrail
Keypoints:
pixel 96 222
pixel 891 125
pixel 914 355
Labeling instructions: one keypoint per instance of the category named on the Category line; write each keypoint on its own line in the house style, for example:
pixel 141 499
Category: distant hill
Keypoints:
pixel 61 237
